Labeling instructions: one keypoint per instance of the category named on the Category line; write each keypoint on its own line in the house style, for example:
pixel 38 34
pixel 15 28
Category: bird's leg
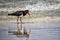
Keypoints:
pixel 21 26
pixel 21 19
pixel 17 19
pixel 18 24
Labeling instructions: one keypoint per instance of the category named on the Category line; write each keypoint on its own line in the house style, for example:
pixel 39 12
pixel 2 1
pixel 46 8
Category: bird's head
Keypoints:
pixel 28 12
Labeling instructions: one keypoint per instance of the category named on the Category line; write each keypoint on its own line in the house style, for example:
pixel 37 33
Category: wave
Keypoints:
pixel 32 5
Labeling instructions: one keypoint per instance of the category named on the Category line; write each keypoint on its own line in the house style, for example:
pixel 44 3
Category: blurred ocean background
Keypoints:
pixel 43 7
pixel 47 7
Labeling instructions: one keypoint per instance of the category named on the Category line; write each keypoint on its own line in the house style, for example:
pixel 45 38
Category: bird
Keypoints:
pixel 19 13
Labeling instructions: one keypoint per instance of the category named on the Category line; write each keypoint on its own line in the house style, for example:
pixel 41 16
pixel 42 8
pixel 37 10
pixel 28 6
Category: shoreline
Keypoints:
pixel 39 19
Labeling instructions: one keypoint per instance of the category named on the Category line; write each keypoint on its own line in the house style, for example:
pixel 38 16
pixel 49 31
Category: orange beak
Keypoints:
pixel 29 13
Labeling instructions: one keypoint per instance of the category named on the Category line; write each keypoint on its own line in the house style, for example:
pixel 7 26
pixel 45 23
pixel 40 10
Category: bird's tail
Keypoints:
pixel 9 14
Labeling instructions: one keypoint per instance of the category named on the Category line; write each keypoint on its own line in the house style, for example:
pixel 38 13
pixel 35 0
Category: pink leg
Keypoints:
pixel 17 19
pixel 21 19
pixel 17 24
pixel 21 26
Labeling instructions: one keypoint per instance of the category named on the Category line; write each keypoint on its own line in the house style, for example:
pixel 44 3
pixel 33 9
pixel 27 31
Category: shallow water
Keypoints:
pixel 39 31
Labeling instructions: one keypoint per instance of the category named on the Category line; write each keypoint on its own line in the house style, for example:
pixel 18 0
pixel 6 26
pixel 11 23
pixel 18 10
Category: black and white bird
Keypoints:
pixel 19 13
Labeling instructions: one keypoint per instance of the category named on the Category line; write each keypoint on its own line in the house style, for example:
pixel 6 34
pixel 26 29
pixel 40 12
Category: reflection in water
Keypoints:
pixel 22 38
pixel 21 31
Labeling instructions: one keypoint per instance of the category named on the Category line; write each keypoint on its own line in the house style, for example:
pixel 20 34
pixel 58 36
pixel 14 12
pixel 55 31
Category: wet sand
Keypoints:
pixel 40 30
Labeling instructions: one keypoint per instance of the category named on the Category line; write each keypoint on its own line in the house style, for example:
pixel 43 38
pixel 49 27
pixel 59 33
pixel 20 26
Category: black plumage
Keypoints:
pixel 19 13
